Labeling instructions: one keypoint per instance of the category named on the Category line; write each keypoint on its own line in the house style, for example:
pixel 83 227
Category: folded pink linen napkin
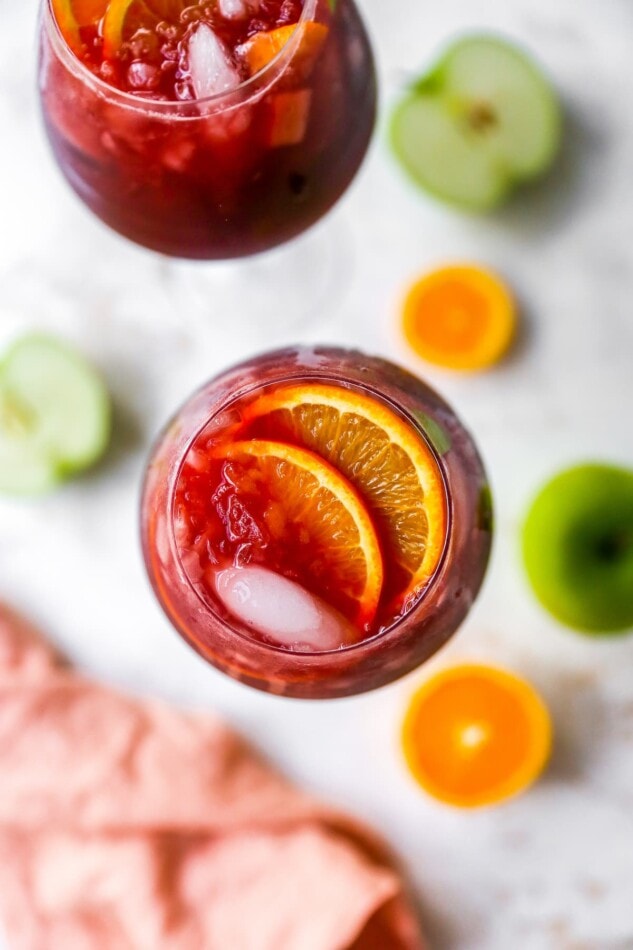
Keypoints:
pixel 125 825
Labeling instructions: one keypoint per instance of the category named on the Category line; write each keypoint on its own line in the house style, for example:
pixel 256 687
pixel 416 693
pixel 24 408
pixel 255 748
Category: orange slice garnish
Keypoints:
pixel 476 735
pixel 339 549
pixel 384 457
pixel 72 15
pixel 261 48
pixel 459 317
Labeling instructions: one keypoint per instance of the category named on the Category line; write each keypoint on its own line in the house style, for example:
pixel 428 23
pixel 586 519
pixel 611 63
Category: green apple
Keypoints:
pixel 578 548
pixel 54 415
pixel 483 120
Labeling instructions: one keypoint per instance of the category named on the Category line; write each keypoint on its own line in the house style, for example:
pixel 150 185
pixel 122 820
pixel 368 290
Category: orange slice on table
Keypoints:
pixel 459 317
pixel 340 543
pixel 72 15
pixel 124 17
pixel 386 460
pixel 476 735
pixel 261 48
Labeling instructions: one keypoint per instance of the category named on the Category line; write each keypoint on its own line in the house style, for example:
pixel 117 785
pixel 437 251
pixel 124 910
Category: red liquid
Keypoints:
pixel 243 511
pixel 188 529
pixel 214 178
pixel 226 517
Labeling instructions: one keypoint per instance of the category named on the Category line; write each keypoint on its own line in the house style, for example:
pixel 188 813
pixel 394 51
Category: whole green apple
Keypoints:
pixel 578 548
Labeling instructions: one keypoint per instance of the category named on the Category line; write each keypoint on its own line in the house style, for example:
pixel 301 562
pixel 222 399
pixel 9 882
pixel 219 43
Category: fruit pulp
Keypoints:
pixel 345 477
pixel 202 133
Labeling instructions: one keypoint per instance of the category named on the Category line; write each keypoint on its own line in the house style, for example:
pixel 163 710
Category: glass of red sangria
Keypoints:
pixel 315 522
pixel 207 129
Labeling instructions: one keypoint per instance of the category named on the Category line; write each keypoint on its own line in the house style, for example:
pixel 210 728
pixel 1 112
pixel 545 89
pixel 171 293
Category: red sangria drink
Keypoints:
pixel 315 522
pixel 207 129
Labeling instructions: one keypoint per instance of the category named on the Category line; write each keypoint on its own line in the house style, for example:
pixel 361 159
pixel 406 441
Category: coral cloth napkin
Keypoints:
pixel 125 825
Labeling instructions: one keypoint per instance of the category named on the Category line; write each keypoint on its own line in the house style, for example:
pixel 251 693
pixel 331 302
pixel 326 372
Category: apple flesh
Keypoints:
pixel 578 548
pixel 482 121
pixel 54 415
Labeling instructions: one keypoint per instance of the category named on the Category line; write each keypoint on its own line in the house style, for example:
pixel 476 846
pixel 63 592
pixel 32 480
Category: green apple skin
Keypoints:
pixel 477 171
pixel 578 548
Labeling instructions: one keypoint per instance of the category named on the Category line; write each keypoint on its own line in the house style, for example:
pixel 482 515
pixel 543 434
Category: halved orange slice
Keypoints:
pixel 459 317
pixel 72 15
pixel 261 48
pixel 476 735
pixel 313 512
pixel 382 455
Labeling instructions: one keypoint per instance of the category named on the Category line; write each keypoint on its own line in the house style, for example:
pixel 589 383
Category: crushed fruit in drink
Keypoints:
pixel 178 49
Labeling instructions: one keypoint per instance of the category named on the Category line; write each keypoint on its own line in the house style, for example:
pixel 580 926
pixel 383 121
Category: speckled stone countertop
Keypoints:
pixel 553 870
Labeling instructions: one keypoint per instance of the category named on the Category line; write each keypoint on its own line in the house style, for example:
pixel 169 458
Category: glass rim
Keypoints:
pixel 247 90
pixel 264 645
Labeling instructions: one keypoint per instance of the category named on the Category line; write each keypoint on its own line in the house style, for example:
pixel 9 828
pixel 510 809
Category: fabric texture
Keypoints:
pixel 126 825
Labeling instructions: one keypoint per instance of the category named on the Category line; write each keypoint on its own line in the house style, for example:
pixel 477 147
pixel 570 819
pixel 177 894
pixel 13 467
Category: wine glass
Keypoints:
pixel 249 157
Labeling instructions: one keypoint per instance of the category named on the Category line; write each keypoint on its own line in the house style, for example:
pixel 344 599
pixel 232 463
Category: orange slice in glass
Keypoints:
pixel 73 15
pixel 382 456
pixel 261 48
pixel 339 549
pixel 476 735
pixel 459 317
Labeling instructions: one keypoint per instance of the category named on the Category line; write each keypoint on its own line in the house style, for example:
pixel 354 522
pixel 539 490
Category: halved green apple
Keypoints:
pixel 54 415
pixel 578 548
pixel 483 120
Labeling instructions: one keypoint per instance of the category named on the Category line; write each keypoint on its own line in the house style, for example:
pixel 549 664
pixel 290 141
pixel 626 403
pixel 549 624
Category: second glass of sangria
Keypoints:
pixel 316 522
pixel 207 129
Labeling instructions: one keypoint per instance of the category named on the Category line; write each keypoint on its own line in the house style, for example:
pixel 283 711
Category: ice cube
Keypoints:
pixel 142 75
pixel 196 459
pixel 210 64
pixel 282 610
pixel 233 9
pixel 192 566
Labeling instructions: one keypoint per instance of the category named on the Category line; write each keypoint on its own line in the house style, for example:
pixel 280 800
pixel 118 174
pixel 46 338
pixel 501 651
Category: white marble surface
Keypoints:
pixel 553 870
